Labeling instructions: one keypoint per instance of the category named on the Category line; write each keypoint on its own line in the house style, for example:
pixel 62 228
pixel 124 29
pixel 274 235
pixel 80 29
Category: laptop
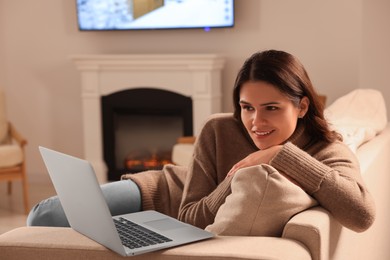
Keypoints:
pixel 86 209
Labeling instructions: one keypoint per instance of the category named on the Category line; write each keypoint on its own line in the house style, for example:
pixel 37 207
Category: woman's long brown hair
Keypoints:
pixel 287 74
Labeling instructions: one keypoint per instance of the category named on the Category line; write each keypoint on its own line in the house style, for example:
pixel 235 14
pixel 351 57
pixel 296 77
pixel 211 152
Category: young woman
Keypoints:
pixel 278 120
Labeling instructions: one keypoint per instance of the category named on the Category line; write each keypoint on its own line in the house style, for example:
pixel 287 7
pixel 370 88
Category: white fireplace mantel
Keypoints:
pixel 194 75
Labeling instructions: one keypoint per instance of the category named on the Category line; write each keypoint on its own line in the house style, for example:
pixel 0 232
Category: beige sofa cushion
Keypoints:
pixel 358 116
pixel 10 155
pixel 3 118
pixel 261 203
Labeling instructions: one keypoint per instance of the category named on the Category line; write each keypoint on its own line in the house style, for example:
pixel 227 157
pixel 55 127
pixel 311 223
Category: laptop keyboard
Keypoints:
pixel 135 236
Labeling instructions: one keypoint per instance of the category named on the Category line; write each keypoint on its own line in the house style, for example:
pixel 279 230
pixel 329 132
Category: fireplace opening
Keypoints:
pixel 140 127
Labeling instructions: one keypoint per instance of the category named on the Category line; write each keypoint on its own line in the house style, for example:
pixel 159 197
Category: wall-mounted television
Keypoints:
pixel 103 15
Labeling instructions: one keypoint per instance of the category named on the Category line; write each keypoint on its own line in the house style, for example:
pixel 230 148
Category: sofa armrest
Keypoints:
pixel 316 229
pixel 36 243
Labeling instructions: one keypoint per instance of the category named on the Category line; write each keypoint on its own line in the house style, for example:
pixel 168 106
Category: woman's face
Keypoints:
pixel 268 115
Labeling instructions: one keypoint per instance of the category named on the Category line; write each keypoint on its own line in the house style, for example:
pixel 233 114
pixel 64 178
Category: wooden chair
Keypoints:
pixel 12 153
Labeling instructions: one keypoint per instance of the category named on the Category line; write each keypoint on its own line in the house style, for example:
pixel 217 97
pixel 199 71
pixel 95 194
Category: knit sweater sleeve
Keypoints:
pixel 206 188
pixel 331 174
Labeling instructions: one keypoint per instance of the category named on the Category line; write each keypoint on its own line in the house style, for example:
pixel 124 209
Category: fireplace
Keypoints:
pixel 195 76
pixel 140 127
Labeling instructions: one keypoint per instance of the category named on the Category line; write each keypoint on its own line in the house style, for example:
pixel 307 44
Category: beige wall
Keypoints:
pixel 334 39
pixel 375 54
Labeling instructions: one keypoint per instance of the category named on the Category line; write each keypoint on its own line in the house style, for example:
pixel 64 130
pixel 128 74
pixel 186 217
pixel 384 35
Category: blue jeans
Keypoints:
pixel 122 197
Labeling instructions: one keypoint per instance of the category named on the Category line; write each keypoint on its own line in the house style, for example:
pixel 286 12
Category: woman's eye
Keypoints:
pixel 271 108
pixel 247 108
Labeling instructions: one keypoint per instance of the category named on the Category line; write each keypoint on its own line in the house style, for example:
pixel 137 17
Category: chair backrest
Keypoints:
pixel 3 118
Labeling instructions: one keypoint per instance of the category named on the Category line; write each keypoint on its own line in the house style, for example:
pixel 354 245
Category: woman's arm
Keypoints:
pixel 203 194
pixel 219 146
pixel 331 174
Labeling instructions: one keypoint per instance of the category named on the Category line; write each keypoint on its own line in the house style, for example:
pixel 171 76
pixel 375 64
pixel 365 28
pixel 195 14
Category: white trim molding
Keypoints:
pixel 194 75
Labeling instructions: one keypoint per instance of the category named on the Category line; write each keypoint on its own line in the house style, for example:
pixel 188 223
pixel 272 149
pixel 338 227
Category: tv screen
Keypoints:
pixel 96 15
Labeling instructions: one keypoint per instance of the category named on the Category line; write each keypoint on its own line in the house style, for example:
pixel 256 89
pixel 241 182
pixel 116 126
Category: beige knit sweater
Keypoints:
pixel 328 172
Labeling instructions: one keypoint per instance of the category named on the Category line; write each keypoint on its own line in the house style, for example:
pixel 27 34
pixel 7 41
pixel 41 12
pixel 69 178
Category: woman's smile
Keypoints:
pixel 262 134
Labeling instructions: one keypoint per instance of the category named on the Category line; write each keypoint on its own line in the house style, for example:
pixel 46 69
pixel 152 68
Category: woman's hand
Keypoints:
pixel 256 158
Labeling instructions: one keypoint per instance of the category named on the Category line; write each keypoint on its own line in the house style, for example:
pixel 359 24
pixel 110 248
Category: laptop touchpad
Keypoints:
pixel 164 224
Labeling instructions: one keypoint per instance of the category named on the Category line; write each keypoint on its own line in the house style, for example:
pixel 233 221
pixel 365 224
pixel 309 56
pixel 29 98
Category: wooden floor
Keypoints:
pixel 11 206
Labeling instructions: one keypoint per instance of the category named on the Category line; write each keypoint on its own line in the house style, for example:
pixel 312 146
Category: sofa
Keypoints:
pixel 360 116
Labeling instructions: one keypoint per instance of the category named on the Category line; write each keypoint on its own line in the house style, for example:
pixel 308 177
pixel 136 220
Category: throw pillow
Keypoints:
pixel 10 155
pixel 261 203
pixel 358 116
